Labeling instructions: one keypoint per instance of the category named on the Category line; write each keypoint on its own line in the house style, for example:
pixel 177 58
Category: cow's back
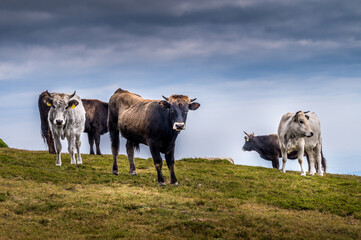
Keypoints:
pixel 96 113
pixel 132 114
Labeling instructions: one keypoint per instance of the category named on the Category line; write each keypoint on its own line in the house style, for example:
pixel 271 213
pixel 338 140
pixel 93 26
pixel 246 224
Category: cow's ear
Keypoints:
pixel 73 103
pixel 47 101
pixel 164 104
pixel 194 106
pixel 294 118
pixel 308 117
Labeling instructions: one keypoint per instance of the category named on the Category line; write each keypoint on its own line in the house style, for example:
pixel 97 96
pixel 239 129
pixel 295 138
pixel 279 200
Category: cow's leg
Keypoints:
pixel 77 145
pixel 318 159
pixel 130 153
pixel 58 150
pixel 284 159
pixel 158 162
pixel 97 142
pixel 50 142
pixel 308 161
pixel 114 138
pixel 169 157
pixel 71 148
pixel 301 153
pixel 91 142
pixel 311 155
pixel 275 163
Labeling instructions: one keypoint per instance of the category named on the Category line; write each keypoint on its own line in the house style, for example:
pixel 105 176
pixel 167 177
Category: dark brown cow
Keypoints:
pixel 155 123
pixel 95 124
pixel 267 146
pixel 96 114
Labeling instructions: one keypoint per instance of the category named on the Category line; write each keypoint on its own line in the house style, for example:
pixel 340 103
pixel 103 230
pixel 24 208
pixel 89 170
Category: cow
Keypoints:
pixel 267 146
pixel 66 119
pixel 301 131
pixel 45 130
pixel 155 123
pixel 96 114
pixel 95 122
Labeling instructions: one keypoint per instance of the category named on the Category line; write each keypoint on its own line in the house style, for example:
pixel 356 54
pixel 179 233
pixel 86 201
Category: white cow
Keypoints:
pixel 66 120
pixel 302 132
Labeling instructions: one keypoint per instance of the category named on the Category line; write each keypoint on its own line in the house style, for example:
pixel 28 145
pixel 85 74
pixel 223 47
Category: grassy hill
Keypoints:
pixel 215 200
pixel 3 144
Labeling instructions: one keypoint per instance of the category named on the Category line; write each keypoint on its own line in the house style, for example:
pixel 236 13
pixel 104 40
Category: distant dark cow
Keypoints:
pixel 155 123
pixel 45 130
pixel 96 113
pixel 267 146
pixel 95 124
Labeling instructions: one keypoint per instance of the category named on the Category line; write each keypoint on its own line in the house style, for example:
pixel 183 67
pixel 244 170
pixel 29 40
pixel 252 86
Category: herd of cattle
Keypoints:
pixel 157 123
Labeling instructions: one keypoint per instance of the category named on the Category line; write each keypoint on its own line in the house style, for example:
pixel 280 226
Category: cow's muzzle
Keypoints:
pixel 59 122
pixel 179 126
pixel 310 135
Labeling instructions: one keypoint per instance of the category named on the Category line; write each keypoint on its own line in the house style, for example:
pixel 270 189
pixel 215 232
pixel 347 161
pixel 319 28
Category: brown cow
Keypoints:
pixel 155 123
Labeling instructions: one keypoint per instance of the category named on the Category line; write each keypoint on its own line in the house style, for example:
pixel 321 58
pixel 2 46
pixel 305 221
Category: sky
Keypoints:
pixel 247 62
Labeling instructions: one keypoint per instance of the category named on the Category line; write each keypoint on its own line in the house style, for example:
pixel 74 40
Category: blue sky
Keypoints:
pixel 247 62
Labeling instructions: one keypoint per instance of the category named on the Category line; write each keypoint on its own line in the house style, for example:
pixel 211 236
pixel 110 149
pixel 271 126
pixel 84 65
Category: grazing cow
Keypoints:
pixel 66 119
pixel 95 122
pixel 96 114
pixel 155 123
pixel 267 146
pixel 301 132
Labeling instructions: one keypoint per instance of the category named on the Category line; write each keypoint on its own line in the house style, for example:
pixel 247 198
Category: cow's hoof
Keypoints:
pixel 320 174
pixel 73 163
pixel 133 173
pixel 80 162
pixel 58 164
pixel 161 184
pixel 303 174
pixel 175 184
pixel 115 173
pixel 284 171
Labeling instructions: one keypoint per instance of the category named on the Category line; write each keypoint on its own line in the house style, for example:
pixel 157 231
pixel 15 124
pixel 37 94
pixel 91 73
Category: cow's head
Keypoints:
pixel 248 142
pixel 300 125
pixel 60 104
pixel 178 106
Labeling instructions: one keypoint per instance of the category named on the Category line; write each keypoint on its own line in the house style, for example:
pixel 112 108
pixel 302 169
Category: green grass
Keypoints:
pixel 215 200
pixel 3 144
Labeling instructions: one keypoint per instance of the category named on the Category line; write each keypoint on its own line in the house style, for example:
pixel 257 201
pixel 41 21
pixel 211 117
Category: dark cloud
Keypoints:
pixel 62 22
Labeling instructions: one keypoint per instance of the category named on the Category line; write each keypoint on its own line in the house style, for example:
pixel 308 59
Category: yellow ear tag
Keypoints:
pixel 73 106
pixel 48 104
pixel 247 139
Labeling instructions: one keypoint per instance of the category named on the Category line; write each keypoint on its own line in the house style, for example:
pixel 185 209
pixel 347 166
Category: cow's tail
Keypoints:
pixel 323 162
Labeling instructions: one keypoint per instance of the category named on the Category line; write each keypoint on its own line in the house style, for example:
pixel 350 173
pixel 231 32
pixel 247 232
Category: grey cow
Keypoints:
pixel 301 132
pixel 66 120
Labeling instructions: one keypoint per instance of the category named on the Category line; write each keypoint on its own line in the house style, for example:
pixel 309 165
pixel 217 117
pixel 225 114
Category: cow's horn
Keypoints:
pixel 165 98
pixel 70 96
pixel 48 93
pixel 306 112
pixel 192 100
pixel 246 133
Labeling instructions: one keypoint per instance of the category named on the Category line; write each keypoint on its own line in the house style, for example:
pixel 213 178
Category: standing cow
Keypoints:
pixel 268 147
pixel 155 123
pixel 96 114
pixel 95 122
pixel 301 132
pixel 66 119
